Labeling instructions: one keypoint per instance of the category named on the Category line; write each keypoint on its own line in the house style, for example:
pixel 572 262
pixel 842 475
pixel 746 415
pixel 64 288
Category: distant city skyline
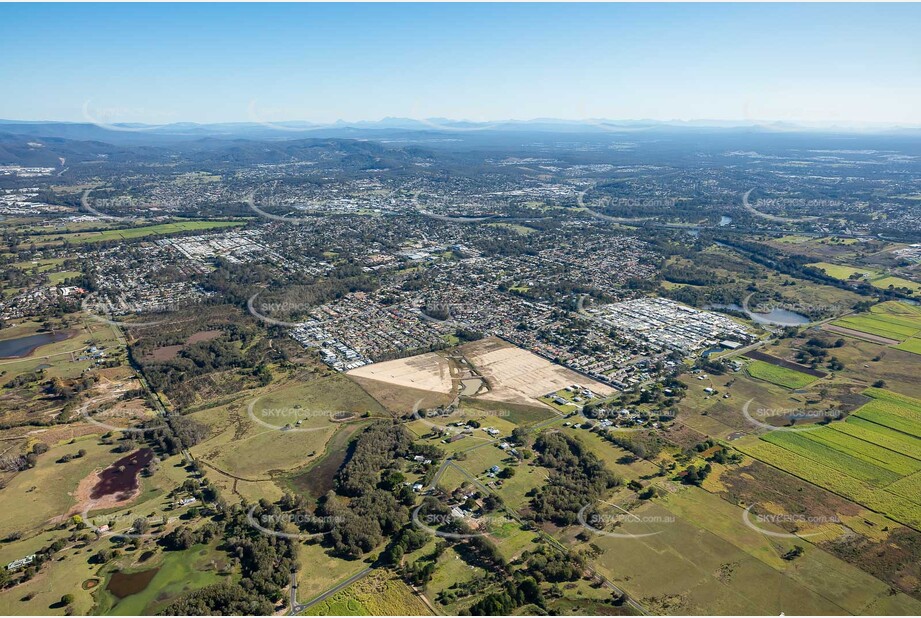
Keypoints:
pixel 207 63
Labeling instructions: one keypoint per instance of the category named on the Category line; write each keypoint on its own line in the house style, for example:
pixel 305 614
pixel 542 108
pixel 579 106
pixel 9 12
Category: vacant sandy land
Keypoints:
pixel 428 372
pixel 516 375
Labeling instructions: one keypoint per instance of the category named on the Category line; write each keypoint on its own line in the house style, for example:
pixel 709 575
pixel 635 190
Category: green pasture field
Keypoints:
pixel 450 569
pixel 874 277
pixel 788 378
pixel 43 265
pixel 718 417
pixel 240 446
pixel 706 561
pixel 817 570
pixel 865 362
pixel 520 229
pixel 320 571
pixel 839 271
pixel 41 595
pixel 612 455
pixel 896 282
pixel 452 479
pixel 47 498
pixel 514 490
pixel 478 461
pixel 180 572
pixel 523 415
pixel 33 497
pixel 132 233
pixel 511 539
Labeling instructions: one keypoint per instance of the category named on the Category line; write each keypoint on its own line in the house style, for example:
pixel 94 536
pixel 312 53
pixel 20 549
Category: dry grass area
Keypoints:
pixel 518 376
pixel 513 375
pixel 400 384
pixel 400 400
pixel 428 372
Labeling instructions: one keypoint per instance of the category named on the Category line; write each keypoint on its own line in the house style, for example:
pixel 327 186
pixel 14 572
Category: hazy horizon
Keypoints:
pixel 160 64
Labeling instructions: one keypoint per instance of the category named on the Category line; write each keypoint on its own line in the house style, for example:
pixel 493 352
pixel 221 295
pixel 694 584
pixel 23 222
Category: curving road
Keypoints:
pixel 775 218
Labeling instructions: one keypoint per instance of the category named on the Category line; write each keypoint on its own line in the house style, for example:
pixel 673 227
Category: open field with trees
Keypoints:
pixel 874 277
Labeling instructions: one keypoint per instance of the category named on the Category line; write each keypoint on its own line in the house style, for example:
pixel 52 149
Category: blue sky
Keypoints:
pixel 240 62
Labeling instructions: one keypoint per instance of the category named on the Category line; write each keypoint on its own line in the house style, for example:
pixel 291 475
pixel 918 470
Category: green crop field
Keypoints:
pixel 892 410
pixel 866 451
pixel 891 442
pixel 891 439
pixel 873 413
pixel 880 326
pixel 880 500
pixel 781 376
pixel 909 487
pixel 893 319
pixel 912 345
pixel 847 464
pixel 873 458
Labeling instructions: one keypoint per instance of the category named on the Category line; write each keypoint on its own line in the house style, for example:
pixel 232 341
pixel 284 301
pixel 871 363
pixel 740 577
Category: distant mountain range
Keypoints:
pixel 404 128
pixel 48 143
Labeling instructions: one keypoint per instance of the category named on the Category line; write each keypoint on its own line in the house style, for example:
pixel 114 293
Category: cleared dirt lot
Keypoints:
pixel 518 376
pixel 427 372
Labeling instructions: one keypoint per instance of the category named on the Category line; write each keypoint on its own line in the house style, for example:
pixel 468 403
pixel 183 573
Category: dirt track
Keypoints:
pixel 859 335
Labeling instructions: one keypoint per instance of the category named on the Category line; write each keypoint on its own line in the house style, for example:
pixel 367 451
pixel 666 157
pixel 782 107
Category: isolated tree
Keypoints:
pixel 141 525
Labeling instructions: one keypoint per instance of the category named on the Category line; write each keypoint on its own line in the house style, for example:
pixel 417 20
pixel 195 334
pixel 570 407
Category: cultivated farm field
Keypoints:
pixel 872 457
pixel 893 320
pixel 782 376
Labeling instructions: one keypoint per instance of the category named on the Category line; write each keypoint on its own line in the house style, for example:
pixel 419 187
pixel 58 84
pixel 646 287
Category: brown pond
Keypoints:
pixel 121 477
pixel 125 584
